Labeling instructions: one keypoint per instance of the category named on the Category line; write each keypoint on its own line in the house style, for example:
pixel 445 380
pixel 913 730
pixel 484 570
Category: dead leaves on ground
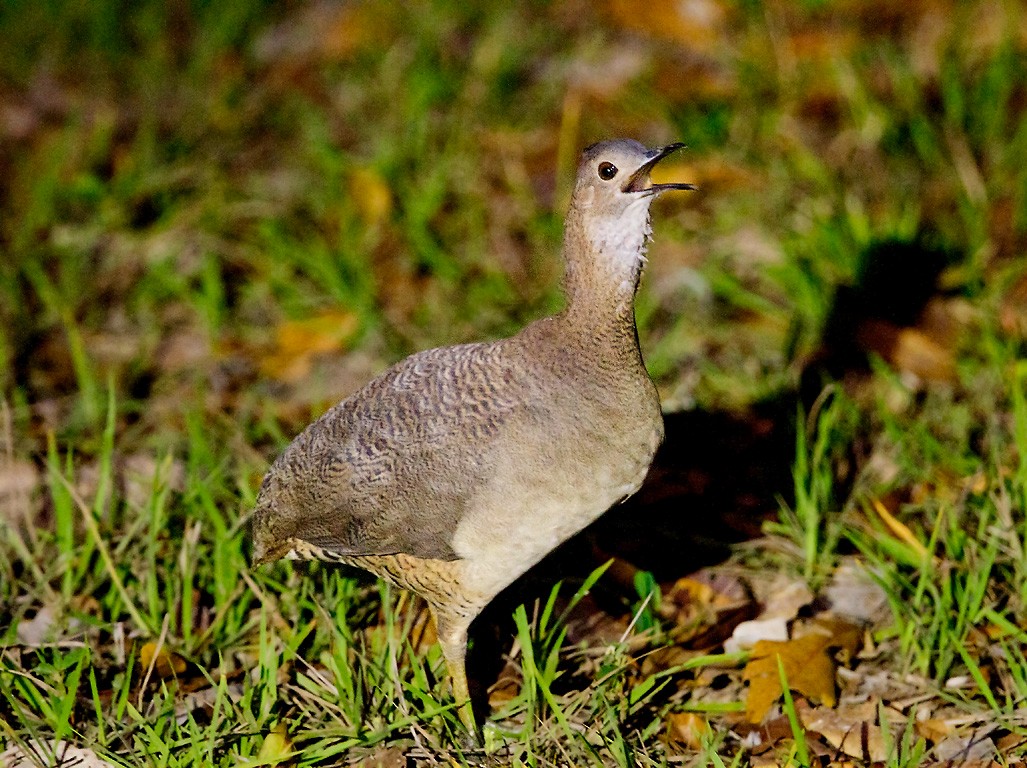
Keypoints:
pixel 854 709
pixel 299 342
pixel 803 662
pixel 160 661
pixel 34 753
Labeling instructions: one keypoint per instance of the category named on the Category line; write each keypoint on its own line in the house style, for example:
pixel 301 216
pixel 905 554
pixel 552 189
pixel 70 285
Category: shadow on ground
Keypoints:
pixel 720 475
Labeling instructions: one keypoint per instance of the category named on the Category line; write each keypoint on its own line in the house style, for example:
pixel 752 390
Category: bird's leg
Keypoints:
pixel 453 639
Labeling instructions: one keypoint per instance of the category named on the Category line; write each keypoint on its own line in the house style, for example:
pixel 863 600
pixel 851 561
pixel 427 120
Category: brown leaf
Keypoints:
pixel 785 598
pixel 842 635
pixel 1010 742
pixel 849 730
pixel 297 342
pixel 910 350
pixel 967 750
pixel 705 592
pixel 933 729
pixel 807 665
pixel 706 607
pixel 165 663
pixel 686 729
pixel 507 686
pixel 588 623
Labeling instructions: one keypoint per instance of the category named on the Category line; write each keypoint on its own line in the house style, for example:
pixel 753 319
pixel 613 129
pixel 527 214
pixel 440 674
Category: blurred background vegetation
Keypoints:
pixel 219 218
pixel 246 209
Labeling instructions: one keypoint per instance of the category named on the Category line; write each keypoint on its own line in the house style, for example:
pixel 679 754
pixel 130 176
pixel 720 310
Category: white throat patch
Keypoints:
pixel 622 241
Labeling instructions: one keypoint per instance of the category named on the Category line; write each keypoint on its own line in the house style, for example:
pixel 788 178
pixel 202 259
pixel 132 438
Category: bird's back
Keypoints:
pixel 393 467
pixel 441 447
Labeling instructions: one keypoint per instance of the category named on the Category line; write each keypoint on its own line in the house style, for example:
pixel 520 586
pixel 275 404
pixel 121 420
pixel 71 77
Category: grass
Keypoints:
pixel 190 187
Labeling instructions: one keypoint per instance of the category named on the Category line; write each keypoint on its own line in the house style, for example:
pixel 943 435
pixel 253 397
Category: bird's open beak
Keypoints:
pixel 639 181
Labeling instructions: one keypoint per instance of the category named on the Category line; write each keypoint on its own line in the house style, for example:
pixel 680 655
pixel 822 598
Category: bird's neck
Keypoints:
pixel 603 269
pixel 604 263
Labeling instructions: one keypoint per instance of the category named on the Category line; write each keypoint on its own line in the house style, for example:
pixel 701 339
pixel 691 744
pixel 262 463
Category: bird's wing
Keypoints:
pixel 394 467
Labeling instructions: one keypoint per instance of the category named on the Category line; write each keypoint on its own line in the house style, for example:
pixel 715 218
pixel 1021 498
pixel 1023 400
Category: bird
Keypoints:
pixel 460 467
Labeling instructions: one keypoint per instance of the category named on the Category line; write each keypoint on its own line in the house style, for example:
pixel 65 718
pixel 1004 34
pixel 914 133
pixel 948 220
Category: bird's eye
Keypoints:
pixel 607 171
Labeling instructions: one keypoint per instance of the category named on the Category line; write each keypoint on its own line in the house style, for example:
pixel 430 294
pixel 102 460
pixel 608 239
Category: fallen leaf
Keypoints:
pixel 976 747
pixel 933 729
pixel 787 598
pixel 588 623
pixel 687 729
pixel 848 729
pixel 808 668
pixel 1010 742
pixel 41 628
pixel 36 753
pixel 687 593
pixel 842 635
pixel 507 686
pixel 705 608
pixel 702 599
pixel 854 594
pixel 297 342
pixel 165 663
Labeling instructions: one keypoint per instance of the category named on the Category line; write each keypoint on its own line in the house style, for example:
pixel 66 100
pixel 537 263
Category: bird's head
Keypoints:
pixel 613 176
pixel 610 205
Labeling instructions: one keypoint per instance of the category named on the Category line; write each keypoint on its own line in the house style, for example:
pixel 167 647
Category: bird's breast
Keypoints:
pixel 549 483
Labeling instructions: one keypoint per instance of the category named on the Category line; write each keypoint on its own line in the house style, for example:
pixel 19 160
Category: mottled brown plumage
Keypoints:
pixel 459 468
